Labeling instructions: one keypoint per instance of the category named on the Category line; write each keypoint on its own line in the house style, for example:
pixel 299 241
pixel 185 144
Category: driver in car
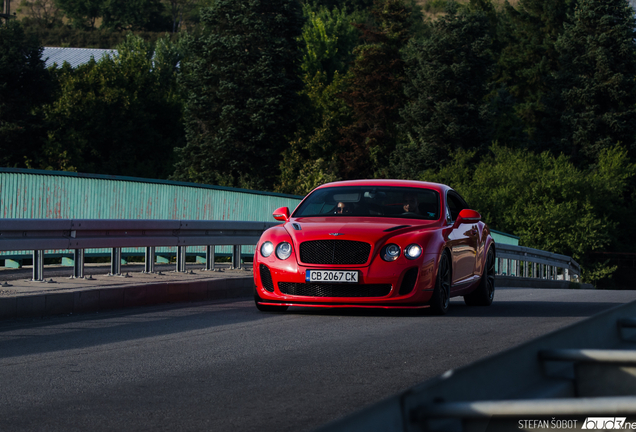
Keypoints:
pixel 344 208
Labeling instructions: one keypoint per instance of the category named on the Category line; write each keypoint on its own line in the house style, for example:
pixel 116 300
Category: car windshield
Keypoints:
pixel 375 201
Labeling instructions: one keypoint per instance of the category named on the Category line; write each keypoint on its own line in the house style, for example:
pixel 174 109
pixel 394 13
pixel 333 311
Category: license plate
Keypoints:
pixel 331 276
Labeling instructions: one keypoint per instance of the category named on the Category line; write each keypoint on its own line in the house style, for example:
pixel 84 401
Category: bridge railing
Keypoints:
pixel 521 261
pixel 39 235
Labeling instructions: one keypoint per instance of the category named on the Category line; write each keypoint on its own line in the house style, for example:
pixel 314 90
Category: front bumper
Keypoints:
pixel 398 276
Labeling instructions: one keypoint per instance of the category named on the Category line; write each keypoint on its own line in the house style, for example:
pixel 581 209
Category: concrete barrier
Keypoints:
pixel 105 298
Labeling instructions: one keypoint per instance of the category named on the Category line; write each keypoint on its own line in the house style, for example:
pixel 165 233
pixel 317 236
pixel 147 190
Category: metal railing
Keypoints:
pixel 521 261
pixel 39 235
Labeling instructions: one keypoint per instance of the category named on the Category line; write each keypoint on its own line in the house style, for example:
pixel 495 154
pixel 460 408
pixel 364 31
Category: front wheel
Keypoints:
pixel 484 294
pixel 268 308
pixel 441 294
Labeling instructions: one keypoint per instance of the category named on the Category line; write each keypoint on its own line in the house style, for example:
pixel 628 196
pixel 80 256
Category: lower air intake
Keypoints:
pixel 334 290
pixel 266 278
pixel 408 283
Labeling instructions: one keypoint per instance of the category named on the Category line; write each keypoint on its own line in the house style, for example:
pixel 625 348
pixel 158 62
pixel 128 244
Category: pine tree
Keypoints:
pixel 25 86
pixel 598 69
pixel 447 82
pixel 376 92
pixel 527 64
pixel 243 82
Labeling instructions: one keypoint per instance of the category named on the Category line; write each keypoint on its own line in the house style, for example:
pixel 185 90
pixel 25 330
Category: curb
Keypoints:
pixel 522 282
pixel 99 299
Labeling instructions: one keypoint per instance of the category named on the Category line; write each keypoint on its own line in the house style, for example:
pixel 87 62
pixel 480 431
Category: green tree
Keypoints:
pixel 376 92
pixel 119 116
pixel 526 68
pixel 178 10
pixel 598 66
pixel 135 15
pixel 328 39
pixel 242 82
pixel 327 42
pixel 546 200
pixel 82 13
pixel 25 86
pixel 313 157
pixel 448 75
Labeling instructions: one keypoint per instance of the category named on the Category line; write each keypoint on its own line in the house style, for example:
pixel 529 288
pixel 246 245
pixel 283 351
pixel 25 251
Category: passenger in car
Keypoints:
pixel 410 203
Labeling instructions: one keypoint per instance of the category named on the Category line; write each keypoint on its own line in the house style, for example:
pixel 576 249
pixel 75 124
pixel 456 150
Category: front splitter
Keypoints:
pixel 341 305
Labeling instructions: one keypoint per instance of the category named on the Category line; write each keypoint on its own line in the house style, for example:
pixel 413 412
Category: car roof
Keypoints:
pixel 384 182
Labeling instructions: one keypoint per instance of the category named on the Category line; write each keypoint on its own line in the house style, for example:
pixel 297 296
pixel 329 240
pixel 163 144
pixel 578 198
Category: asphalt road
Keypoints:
pixel 224 366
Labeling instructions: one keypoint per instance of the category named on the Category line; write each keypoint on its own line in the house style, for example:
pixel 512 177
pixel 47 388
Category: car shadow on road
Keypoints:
pixel 59 333
pixel 459 309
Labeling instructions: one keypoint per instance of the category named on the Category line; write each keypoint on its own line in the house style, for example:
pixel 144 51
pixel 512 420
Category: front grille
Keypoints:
pixel 408 283
pixel 266 278
pixel 334 290
pixel 334 252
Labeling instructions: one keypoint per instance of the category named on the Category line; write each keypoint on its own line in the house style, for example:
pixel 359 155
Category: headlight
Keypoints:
pixel 267 248
pixel 283 250
pixel 390 252
pixel 413 251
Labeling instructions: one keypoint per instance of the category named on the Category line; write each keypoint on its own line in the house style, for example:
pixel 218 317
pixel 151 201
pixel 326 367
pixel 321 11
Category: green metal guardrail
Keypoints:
pixel 37 194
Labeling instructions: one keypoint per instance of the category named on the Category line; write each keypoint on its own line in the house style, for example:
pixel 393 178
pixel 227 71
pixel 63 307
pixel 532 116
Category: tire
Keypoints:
pixel 441 294
pixel 268 308
pixel 484 294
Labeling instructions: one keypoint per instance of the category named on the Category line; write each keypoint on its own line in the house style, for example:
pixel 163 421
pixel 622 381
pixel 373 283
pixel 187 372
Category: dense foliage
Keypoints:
pixel 447 83
pixel 286 95
pixel 242 81
pixel 119 116
pixel 375 93
pixel 596 77
pixel 545 199
pixel 25 85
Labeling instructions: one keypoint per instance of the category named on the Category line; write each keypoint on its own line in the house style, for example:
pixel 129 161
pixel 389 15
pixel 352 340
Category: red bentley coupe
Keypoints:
pixel 375 243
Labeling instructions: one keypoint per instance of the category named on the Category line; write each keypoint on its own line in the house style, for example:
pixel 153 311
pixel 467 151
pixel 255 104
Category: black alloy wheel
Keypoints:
pixel 441 294
pixel 484 294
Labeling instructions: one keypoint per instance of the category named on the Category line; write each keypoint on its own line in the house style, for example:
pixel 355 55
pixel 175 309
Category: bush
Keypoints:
pixel 546 200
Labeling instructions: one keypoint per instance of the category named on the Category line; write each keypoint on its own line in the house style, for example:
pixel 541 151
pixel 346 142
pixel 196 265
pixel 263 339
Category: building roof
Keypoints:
pixel 74 56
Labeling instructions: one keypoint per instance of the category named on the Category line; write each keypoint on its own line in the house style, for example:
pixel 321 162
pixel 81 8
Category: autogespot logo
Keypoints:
pixel 590 423
pixel 607 423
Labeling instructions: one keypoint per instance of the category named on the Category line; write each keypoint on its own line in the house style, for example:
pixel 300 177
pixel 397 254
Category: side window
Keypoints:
pixel 455 204
pixel 449 218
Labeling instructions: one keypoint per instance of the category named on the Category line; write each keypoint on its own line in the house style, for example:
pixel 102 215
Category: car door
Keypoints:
pixel 463 241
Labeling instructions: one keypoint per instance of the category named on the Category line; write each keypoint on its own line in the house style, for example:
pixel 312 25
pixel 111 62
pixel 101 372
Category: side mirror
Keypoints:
pixel 467 216
pixel 281 214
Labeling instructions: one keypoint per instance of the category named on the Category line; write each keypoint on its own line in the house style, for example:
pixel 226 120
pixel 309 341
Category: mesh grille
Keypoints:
pixel 334 290
pixel 334 252
pixel 266 278
pixel 408 283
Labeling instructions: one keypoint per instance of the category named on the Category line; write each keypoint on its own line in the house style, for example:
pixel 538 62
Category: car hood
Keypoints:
pixel 369 230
